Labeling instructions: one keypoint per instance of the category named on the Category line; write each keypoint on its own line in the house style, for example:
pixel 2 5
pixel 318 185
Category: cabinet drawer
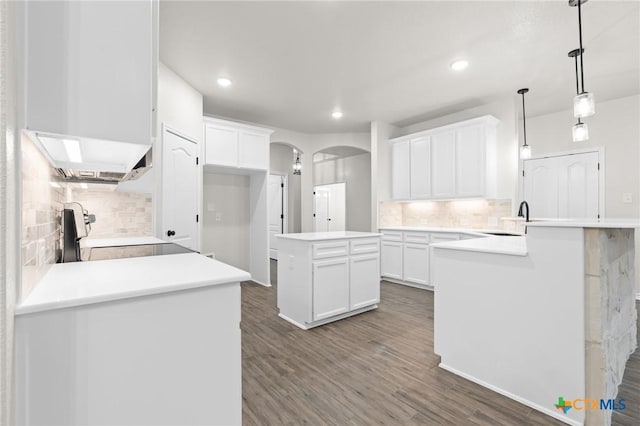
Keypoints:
pixel 330 249
pixel 392 235
pixel 416 237
pixel 365 245
pixel 442 238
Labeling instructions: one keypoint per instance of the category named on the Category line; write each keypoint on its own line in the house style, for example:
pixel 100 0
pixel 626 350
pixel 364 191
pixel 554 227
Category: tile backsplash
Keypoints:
pixel 41 205
pixel 473 214
pixel 118 214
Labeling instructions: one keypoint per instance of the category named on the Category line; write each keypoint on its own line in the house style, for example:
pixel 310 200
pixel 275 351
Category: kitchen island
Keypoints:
pixel 146 341
pixel 327 276
pixel 539 317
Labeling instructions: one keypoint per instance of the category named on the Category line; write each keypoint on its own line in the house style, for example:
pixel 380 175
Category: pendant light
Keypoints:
pixel 580 131
pixel 583 103
pixel 525 150
pixel 297 166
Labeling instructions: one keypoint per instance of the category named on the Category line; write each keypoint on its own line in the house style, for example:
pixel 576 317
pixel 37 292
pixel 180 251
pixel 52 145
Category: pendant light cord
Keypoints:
pixel 581 50
pixel 577 86
pixel 524 122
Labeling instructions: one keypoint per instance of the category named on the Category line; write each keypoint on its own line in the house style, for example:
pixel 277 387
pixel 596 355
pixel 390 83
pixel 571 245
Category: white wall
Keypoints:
pixel 281 162
pixel 616 127
pixel 380 167
pixel 11 119
pixel 226 195
pixel 355 172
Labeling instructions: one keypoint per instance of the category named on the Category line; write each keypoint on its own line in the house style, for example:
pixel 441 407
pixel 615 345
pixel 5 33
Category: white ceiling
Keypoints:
pixel 292 63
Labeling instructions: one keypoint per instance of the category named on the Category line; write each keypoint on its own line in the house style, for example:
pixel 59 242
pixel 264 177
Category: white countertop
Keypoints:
pixel 586 223
pixel 513 246
pixel 81 283
pixel 477 232
pixel 120 241
pixel 319 236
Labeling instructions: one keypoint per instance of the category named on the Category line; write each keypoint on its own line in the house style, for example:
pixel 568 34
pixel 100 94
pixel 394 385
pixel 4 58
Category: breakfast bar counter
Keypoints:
pixel 557 319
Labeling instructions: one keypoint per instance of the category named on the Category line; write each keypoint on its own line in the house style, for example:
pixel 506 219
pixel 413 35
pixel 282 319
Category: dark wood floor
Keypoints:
pixel 374 368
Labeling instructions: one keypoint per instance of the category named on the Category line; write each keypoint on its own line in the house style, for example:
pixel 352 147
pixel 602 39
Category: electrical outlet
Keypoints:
pixel 218 217
pixel 627 198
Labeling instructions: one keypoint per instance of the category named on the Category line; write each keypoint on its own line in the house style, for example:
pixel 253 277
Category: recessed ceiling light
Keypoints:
pixel 459 64
pixel 224 82
pixel 336 114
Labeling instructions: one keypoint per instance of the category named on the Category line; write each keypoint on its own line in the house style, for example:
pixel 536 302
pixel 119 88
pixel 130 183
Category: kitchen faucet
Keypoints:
pixel 521 214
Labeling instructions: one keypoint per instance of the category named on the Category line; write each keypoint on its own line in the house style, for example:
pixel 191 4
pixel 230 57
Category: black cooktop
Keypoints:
pixel 142 250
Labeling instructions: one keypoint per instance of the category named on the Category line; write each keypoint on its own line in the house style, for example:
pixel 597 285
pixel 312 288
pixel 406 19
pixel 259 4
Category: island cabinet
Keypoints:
pixel 453 161
pixel 327 276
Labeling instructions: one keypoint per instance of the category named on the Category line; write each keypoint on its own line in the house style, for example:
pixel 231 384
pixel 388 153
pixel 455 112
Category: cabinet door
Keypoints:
pixel 416 263
pixel 221 145
pixel 400 171
pixel 253 150
pixel 391 259
pixel 91 69
pixel 179 190
pixel 470 161
pixel 330 288
pixel 443 165
pixel 364 282
pixel 420 169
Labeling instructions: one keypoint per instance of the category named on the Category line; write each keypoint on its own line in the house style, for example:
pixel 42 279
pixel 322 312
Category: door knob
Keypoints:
pixel 171 233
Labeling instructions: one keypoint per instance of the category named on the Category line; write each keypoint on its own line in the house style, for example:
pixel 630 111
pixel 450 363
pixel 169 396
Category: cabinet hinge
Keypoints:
pixel 598 166
pixel 197 160
pixel 314 215
pixel 197 218
pixel 598 216
pixel 281 216
pixel 523 173
pixel 281 185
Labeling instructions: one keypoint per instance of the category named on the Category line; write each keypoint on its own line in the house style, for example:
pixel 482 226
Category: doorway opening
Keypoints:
pixel 329 207
pixel 278 210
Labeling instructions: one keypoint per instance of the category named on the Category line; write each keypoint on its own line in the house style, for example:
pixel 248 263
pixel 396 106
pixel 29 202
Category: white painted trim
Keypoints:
pixel 408 284
pixel 638 296
pixel 236 124
pixel 485 119
pixel 313 324
pixel 601 182
pixel 170 129
pixel 544 410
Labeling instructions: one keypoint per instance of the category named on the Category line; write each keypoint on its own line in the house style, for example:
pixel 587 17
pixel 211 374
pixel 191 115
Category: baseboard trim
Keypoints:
pixel 260 283
pixel 327 320
pixel 544 410
pixel 408 284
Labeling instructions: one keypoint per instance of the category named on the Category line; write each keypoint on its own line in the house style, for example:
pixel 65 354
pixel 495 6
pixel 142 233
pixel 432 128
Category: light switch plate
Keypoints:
pixel 627 198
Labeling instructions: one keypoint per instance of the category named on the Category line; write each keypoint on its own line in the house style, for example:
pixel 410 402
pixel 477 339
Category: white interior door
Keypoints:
pixel 276 212
pixel 565 187
pixel 179 190
pixel 330 207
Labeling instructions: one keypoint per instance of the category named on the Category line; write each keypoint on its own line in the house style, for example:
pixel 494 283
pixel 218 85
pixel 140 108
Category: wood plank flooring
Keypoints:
pixel 374 368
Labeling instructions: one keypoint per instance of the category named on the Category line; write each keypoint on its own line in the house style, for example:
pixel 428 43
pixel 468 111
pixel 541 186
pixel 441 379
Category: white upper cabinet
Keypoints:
pixel 91 69
pixel 236 145
pixel 400 170
pixel 443 164
pixel 420 180
pixel 453 161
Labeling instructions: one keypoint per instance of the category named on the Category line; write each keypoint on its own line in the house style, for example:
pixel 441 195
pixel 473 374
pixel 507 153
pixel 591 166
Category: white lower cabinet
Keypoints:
pixel 405 256
pixel 330 287
pixel 416 263
pixel 321 280
pixel 364 270
pixel 391 261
